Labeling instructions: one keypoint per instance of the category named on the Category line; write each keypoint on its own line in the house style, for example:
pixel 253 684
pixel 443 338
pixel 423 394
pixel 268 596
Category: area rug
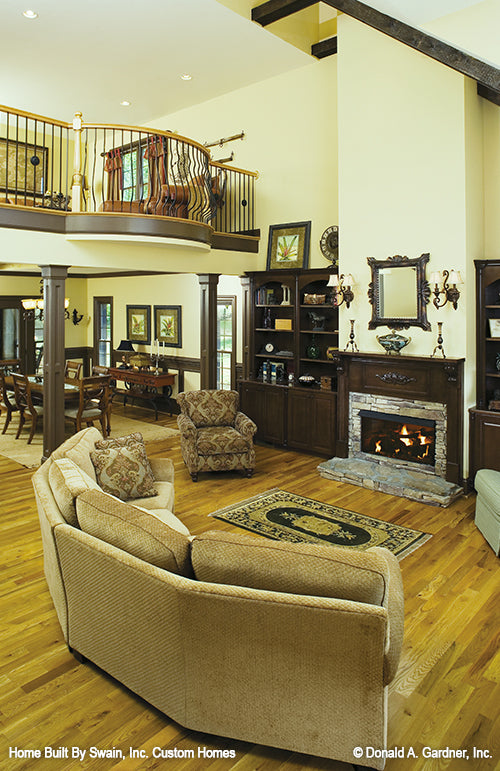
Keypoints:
pixel 30 455
pixel 288 517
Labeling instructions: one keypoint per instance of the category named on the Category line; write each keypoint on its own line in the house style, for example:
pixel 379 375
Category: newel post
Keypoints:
pixel 77 179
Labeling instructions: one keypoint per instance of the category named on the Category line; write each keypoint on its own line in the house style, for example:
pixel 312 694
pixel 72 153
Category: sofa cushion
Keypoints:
pixel 67 481
pixel 78 448
pixel 124 471
pixel 210 407
pixel 134 530
pixel 217 440
pixel 166 516
pixel 259 563
pixel 164 499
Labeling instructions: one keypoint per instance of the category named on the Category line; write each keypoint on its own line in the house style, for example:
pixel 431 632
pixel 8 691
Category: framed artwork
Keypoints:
pixel 23 167
pixel 288 245
pixel 168 324
pixel 495 327
pixel 139 323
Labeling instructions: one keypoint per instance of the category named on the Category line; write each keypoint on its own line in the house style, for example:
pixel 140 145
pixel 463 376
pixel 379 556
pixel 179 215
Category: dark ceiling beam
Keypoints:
pixel 324 48
pixel 442 52
pixel 274 10
pixel 487 76
pixel 489 93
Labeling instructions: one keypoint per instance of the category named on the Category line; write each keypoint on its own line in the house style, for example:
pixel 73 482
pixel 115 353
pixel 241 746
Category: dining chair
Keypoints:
pixel 7 399
pixel 24 403
pixel 73 370
pixel 93 404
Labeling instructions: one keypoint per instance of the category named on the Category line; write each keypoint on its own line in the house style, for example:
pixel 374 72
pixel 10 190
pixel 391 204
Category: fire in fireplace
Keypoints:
pixel 409 440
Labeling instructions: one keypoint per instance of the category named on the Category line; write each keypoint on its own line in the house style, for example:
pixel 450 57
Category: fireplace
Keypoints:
pixel 404 439
pixel 406 433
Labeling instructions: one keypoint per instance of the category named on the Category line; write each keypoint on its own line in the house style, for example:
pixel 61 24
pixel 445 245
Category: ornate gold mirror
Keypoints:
pixel 399 292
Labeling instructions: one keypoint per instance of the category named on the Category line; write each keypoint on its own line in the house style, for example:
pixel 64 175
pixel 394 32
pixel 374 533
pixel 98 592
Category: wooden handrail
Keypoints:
pixel 148 131
pixel 34 116
pixel 254 174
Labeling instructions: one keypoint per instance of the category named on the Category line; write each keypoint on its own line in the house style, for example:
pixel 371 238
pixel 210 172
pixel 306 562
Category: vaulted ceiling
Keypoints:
pixel 91 56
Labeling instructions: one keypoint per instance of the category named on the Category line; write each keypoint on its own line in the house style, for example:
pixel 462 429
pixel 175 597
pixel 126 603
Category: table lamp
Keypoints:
pixel 127 348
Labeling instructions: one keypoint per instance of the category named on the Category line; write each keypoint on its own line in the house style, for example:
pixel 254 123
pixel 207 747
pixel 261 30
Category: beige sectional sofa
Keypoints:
pixel 287 645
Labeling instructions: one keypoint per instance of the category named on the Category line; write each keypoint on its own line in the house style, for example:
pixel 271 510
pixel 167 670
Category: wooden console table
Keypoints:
pixel 145 385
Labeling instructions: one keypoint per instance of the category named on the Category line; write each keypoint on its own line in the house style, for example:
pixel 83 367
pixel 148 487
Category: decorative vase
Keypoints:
pixel 497 363
pixel 393 342
pixel 313 351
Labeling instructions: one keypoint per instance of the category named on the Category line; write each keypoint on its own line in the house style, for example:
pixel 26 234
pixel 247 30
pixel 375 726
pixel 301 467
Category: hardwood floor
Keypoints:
pixel 446 693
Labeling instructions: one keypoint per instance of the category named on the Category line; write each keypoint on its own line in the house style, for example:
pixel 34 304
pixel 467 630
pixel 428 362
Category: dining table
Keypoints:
pixel 71 389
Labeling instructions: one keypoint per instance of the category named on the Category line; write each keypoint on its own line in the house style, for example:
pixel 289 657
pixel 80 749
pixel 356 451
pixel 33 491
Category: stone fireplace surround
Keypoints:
pixel 408 408
pixel 401 383
pixel 408 378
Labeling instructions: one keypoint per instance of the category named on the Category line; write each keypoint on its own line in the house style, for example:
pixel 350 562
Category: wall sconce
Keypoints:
pixel 442 282
pixel 342 288
pixel 76 317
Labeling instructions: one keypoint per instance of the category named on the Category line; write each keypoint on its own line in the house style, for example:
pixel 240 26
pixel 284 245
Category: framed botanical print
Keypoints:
pixel 288 246
pixel 139 323
pixel 168 324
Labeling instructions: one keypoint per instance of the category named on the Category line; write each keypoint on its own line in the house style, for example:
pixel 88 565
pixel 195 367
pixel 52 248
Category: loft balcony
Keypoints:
pixel 91 181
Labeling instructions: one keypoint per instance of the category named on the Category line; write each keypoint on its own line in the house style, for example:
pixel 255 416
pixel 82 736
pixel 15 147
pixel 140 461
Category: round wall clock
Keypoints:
pixel 329 243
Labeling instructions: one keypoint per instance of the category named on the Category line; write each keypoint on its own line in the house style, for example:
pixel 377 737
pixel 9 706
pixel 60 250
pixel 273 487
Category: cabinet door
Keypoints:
pixel 311 421
pixel 265 405
pixel 484 441
pixel 324 434
pixel 274 414
pixel 251 403
pixel 300 419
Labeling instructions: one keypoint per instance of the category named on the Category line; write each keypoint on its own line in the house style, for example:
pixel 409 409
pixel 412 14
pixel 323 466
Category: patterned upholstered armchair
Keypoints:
pixel 215 436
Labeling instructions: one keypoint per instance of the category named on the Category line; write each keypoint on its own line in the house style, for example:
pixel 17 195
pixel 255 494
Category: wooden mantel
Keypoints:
pixel 407 377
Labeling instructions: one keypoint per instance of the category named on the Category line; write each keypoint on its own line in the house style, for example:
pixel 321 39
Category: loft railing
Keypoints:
pixel 96 168
pixel 35 160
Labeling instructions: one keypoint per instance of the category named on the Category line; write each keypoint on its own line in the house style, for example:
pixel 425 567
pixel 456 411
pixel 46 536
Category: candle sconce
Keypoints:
pixel 342 289
pixel 445 284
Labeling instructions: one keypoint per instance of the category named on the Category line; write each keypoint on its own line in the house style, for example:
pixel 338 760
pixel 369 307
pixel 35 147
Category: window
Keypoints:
pixel 135 173
pixel 103 331
pixel 226 342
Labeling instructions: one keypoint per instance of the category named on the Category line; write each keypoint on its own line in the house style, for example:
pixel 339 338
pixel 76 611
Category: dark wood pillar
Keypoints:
pixel 54 277
pixel 208 329
pixel 246 315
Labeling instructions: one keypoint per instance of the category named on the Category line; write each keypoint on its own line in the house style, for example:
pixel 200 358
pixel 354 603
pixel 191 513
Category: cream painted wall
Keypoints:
pixel 491 126
pixel 179 289
pixel 401 172
pixel 291 140
pixel 410 180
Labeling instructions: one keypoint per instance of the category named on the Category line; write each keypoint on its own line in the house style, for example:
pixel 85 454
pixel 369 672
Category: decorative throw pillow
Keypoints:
pixel 120 441
pixel 124 471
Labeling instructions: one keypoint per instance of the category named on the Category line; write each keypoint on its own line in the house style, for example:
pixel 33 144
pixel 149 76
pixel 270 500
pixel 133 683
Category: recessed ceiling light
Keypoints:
pixel 125 103
pixel 186 76
pixel 30 14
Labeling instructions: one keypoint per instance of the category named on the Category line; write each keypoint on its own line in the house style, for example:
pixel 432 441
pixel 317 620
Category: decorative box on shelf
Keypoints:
pixel 283 324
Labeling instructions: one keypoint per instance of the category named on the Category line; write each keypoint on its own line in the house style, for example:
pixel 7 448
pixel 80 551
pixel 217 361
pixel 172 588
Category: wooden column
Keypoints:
pixel 54 277
pixel 246 315
pixel 208 329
